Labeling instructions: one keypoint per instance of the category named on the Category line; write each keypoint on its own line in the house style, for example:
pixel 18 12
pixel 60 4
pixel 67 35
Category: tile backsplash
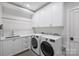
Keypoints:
pixel 52 30
pixel 8 32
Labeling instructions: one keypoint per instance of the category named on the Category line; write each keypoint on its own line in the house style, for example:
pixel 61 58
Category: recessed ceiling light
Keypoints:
pixel 27 5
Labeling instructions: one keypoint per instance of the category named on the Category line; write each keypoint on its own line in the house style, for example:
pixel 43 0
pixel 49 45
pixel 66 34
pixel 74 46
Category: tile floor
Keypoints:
pixel 27 53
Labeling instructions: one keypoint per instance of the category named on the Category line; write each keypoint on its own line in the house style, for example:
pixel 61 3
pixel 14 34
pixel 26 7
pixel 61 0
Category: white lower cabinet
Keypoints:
pixel 17 45
pixel 27 43
pixel 7 47
pixel 12 46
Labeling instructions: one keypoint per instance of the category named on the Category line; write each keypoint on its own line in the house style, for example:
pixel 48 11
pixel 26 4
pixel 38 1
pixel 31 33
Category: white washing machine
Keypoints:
pixel 35 43
pixel 51 45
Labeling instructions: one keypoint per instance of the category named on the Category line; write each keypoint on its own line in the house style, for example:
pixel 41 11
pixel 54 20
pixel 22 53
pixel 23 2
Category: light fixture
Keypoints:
pixel 27 5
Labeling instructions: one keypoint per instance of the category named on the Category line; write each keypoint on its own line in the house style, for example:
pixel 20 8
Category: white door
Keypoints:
pixel 74 32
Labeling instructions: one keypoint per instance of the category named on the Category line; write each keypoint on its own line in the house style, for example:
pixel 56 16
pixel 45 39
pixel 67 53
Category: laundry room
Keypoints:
pixel 39 29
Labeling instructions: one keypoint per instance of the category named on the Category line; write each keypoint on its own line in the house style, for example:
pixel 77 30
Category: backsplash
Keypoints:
pixel 51 30
pixel 8 32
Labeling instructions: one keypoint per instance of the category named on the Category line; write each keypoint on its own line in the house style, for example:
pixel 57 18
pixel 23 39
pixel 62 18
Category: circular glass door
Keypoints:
pixel 34 43
pixel 47 49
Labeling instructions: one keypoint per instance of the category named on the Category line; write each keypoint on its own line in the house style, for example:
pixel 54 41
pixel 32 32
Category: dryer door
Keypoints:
pixel 47 49
pixel 34 43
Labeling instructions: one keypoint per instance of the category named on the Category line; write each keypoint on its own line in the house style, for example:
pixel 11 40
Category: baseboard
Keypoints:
pixel 21 52
pixel 35 53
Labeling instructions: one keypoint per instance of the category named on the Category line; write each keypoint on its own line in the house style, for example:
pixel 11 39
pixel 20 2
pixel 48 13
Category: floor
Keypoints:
pixel 27 53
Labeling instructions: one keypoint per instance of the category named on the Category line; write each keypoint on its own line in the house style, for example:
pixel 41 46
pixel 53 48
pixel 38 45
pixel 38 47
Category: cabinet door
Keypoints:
pixel 57 14
pixel 26 43
pixel 17 46
pixel 51 15
pixel 8 27
pixel 13 46
pixel 7 47
pixel 20 44
pixel 1 48
pixel 42 18
pixel 45 18
pixel 35 20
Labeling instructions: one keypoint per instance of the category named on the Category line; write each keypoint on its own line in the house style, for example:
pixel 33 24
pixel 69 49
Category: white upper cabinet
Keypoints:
pixel 16 19
pixel 51 15
pixel 57 14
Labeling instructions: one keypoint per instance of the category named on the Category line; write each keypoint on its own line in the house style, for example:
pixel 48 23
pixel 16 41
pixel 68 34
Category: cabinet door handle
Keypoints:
pixel 71 38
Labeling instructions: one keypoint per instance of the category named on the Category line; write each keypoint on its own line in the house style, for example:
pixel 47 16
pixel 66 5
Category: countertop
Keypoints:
pixel 52 37
pixel 16 36
pixel 21 36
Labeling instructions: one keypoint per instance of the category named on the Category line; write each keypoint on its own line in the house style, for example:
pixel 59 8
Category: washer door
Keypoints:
pixel 47 49
pixel 34 43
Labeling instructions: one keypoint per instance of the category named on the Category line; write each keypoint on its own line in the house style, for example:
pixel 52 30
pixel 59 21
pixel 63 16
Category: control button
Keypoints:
pixel 51 40
pixel 37 37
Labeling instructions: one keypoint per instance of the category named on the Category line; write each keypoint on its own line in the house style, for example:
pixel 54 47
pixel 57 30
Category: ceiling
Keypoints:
pixel 32 6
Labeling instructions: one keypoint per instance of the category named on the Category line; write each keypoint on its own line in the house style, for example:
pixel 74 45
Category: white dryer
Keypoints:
pixel 35 43
pixel 51 45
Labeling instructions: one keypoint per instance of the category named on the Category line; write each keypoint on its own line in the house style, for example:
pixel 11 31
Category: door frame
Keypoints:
pixel 67 29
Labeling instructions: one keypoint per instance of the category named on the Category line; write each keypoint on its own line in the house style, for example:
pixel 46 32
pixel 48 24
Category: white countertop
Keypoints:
pixel 52 37
pixel 49 36
pixel 41 35
pixel 17 36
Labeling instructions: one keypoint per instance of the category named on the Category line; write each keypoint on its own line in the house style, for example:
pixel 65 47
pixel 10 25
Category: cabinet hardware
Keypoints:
pixel 71 38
